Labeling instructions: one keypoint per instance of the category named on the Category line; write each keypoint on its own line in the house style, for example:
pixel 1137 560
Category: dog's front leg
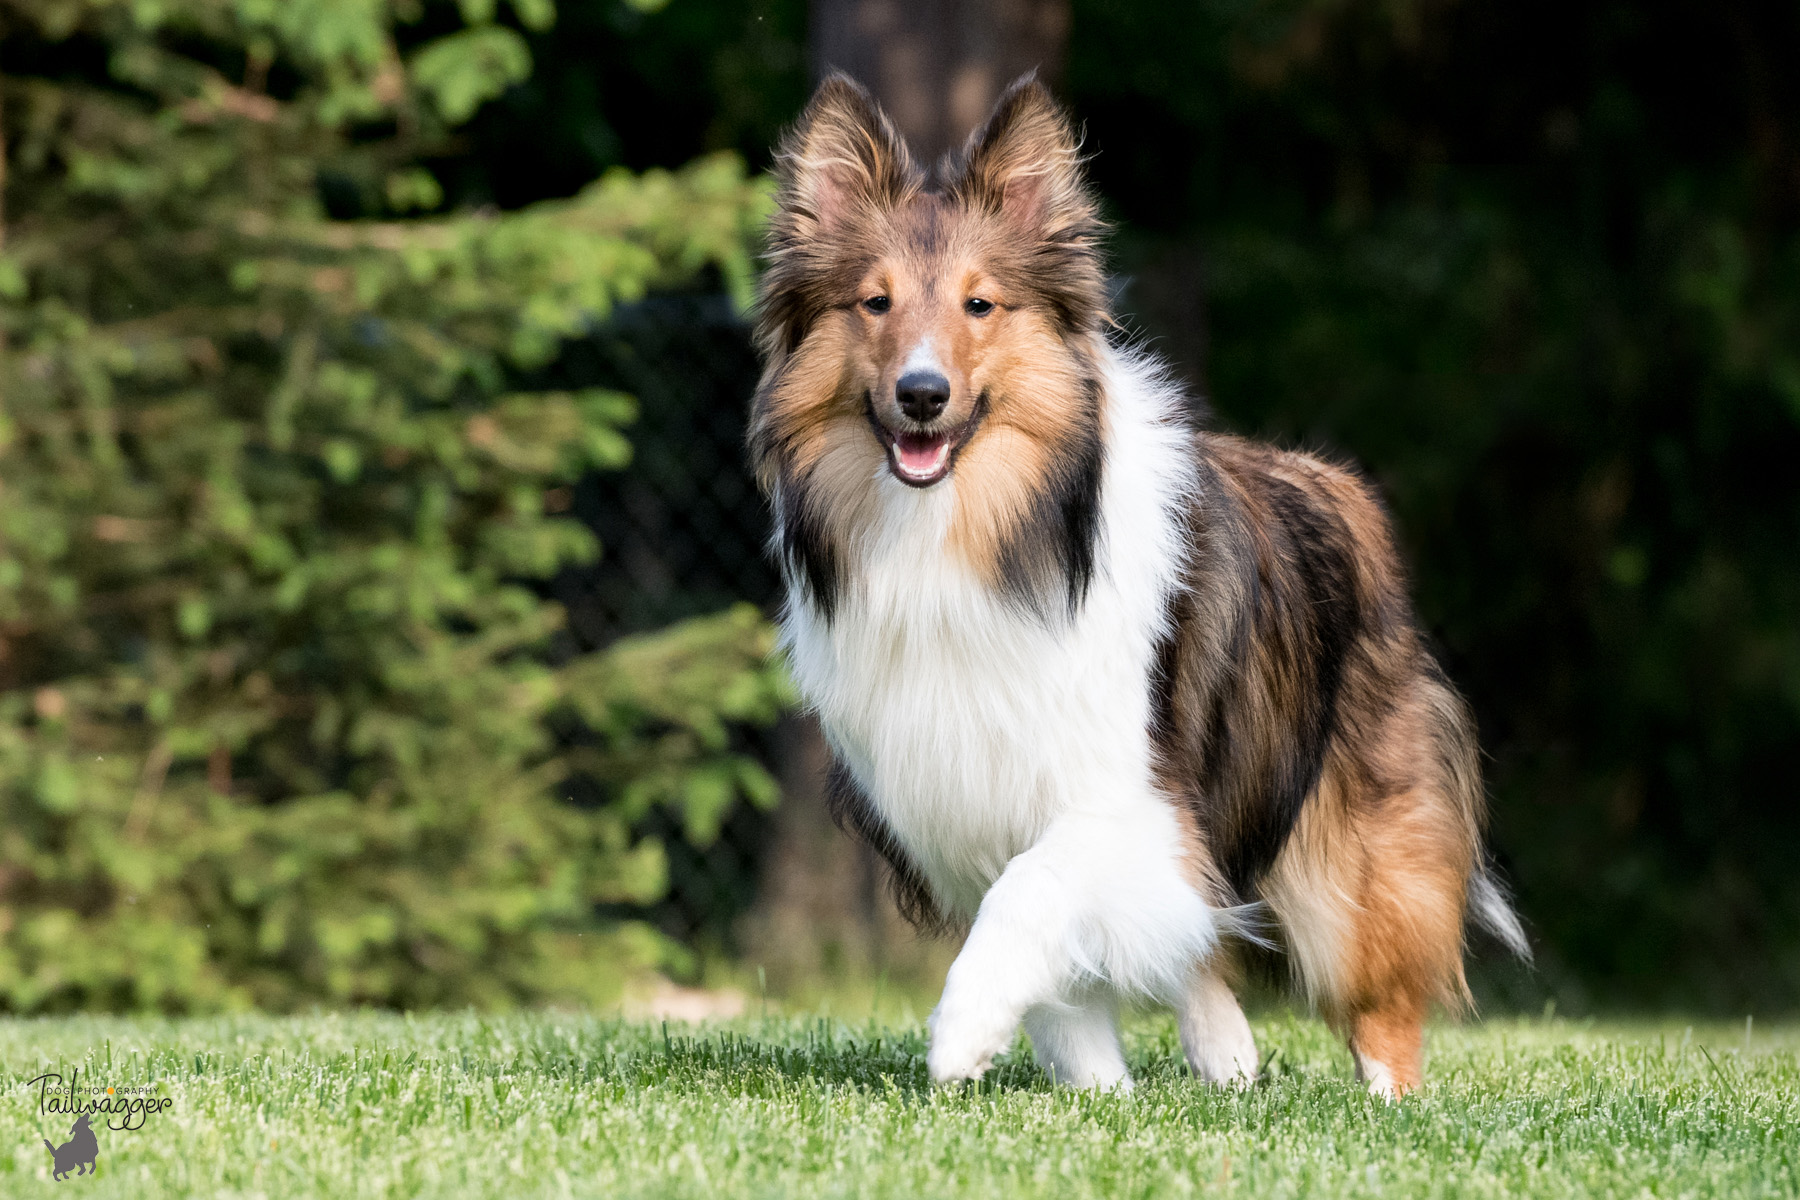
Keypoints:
pixel 1102 897
pixel 1017 955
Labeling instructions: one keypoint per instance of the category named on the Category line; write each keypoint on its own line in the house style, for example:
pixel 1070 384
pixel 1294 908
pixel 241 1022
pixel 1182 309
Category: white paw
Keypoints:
pixel 964 1043
pixel 1227 1058
pixel 1120 1085
pixel 1095 1077
pixel 1220 1047
pixel 1378 1078
pixel 1224 1069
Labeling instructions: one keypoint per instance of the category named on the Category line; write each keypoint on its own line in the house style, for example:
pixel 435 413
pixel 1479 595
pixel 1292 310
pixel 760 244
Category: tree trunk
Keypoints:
pixel 938 65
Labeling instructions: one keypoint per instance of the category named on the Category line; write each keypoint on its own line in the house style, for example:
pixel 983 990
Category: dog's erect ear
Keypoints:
pixel 1025 164
pixel 843 159
pixel 842 164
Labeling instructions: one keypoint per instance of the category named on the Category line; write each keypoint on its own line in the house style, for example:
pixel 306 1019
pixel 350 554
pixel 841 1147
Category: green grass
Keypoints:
pixel 557 1104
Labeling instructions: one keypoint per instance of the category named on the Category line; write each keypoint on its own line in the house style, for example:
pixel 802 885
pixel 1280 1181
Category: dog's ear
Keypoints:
pixel 842 164
pixel 844 159
pixel 1025 164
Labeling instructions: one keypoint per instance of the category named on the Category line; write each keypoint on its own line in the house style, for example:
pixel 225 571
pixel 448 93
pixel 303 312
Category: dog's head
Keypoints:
pixel 931 325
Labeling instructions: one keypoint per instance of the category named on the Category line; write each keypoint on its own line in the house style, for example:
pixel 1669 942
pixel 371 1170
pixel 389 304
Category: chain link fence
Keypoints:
pixel 682 530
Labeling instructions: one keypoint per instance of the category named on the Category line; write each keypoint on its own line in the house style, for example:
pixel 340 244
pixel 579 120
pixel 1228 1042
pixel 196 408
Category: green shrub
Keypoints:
pixel 275 705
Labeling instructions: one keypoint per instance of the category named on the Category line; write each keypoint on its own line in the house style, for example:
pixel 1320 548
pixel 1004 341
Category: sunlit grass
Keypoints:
pixel 559 1104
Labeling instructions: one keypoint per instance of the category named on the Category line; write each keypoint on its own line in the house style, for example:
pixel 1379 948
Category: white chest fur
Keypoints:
pixel 971 723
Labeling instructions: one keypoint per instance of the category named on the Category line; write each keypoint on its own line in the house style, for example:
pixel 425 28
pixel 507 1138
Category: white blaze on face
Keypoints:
pixel 922 358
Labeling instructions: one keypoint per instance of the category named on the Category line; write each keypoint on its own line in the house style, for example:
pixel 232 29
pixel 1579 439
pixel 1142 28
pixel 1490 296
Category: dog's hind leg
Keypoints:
pixel 1388 1044
pixel 1370 896
pixel 1214 1033
pixel 1077 1042
pixel 1103 898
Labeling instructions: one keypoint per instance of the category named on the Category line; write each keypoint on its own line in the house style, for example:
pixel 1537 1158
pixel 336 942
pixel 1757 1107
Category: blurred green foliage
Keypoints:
pixel 622 84
pixel 278 722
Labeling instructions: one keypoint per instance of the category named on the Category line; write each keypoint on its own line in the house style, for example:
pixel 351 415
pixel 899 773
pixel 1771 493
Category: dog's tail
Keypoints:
pixel 50 1148
pixel 1491 909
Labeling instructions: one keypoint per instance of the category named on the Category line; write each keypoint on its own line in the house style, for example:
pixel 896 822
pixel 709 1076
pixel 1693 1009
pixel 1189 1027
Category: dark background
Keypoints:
pixel 1534 266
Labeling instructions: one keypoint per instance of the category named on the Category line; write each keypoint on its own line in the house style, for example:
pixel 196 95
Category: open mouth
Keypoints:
pixel 920 459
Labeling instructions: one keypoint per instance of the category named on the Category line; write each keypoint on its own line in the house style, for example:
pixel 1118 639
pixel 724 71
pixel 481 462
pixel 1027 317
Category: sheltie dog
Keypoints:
pixel 1099 685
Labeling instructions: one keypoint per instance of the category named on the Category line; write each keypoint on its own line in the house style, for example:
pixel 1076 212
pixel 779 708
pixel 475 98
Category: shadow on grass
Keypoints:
pixel 824 1054
pixel 820 1053
pixel 761 1057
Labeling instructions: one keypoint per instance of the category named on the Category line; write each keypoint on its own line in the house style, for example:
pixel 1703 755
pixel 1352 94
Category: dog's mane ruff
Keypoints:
pixel 895 594
pixel 1047 560
pixel 811 562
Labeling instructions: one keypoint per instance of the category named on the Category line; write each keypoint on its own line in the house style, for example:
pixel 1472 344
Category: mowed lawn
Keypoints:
pixel 549 1104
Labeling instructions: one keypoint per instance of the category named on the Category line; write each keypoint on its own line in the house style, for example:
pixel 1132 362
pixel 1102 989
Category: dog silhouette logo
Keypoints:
pixel 81 1150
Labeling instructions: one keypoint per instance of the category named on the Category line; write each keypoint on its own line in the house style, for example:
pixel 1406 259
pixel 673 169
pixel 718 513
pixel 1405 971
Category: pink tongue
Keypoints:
pixel 918 454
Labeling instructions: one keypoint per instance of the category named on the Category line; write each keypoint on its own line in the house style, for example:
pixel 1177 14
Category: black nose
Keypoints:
pixel 922 394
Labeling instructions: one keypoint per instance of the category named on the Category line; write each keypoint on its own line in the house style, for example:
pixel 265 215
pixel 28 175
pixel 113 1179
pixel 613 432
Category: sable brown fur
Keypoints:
pixel 1307 730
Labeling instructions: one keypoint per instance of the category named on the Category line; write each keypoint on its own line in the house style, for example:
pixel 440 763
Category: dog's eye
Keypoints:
pixel 977 307
pixel 876 304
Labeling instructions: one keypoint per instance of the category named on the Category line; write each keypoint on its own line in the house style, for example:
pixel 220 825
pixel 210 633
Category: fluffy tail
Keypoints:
pixel 1490 908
